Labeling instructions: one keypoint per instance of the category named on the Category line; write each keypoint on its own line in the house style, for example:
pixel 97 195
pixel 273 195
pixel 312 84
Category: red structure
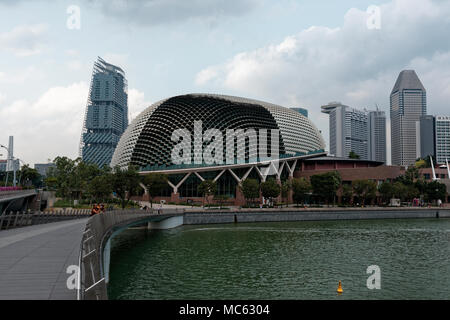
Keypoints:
pixel 349 169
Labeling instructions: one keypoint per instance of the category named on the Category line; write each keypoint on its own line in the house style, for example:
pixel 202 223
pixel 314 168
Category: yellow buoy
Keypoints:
pixel 339 289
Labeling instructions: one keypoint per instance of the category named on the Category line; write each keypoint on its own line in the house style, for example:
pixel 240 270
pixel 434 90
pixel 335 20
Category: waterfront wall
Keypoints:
pixel 217 217
pixel 96 245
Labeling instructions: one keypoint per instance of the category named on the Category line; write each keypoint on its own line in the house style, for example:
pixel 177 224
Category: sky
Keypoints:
pixel 294 53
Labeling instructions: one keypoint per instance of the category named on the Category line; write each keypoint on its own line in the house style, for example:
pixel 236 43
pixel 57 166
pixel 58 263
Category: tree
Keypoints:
pixel 81 177
pixel 125 183
pixel 63 174
pixel 420 163
pixel 100 188
pixel 250 189
pixel 286 186
pixel 364 190
pixel 207 188
pixel 421 185
pixel 435 190
pixel 411 192
pixel 386 191
pixel 325 185
pixel 353 155
pixel 411 175
pixel 51 183
pixel 399 190
pixel 347 193
pixel 270 189
pixel 405 192
pixel 29 177
pixel 155 183
pixel 301 187
pixel 221 199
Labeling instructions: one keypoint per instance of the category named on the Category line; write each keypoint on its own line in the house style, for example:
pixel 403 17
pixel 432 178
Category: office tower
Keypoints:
pixel 426 137
pixel 4 165
pixel 408 104
pixel 377 136
pixel 106 116
pixel 44 168
pixel 302 111
pixel 349 130
pixel 442 139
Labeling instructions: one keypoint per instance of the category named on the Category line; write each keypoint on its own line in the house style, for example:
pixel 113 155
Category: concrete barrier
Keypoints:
pixel 96 245
pixel 310 215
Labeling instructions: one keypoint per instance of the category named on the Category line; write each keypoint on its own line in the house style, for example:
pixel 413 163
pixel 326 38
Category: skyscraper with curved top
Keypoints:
pixel 408 104
pixel 106 116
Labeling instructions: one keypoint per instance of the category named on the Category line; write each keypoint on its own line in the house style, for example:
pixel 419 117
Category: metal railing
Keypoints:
pixel 11 220
pixel 92 282
pixel 17 193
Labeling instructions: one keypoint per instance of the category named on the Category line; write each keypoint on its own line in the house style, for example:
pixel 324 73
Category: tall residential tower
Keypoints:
pixel 106 116
pixel 408 104
pixel 377 136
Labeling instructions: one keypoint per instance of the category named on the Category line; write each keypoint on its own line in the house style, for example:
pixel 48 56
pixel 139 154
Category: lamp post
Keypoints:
pixel 1 155
pixel 14 167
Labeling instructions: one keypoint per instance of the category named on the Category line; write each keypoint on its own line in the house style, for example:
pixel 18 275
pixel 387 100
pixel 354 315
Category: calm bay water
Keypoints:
pixel 300 260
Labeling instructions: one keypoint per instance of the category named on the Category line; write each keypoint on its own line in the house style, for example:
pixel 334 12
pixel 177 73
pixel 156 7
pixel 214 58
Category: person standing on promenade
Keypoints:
pixel 94 210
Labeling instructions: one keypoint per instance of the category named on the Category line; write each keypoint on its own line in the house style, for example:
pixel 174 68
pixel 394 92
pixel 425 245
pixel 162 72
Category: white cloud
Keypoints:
pixel 2 98
pixel 51 125
pixel 72 52
pixel 136 103
pixel 352 64
pixel 20 76
pixel 25 40
pixel 206 75
pixel 157 12
pixel 117 59
pixel 48 127
pixel 74 65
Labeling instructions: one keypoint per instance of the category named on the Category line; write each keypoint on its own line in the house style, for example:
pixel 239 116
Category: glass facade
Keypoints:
pixel 408 104
pixel 442 139
pixel 106 116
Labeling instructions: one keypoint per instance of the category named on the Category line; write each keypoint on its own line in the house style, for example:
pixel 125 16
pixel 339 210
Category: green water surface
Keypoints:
pixel 289 260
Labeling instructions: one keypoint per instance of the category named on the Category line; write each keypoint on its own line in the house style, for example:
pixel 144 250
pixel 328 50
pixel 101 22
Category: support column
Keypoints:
pixel 291 193
pixel 240 199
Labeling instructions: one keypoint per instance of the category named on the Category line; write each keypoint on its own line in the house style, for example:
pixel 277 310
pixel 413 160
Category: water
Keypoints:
pixel 300 260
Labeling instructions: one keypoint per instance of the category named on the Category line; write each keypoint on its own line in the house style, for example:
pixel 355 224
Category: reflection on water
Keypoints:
pixel 299 260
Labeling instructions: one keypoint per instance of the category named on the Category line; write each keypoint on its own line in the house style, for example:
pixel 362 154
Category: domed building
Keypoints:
pixel 195 137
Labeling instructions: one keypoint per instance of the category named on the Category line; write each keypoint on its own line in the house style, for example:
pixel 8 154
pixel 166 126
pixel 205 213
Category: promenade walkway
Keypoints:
pixel 34 260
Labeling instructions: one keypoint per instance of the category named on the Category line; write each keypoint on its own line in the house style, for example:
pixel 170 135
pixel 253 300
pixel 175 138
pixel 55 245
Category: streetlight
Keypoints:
pixel 14 167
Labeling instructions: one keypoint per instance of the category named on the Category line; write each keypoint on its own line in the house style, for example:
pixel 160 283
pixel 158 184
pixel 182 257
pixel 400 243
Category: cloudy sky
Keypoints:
pixel 289 52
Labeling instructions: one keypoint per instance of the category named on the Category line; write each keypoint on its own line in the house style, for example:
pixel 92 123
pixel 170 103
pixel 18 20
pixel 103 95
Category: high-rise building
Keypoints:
pixel 434 137
pixel 442 139
pixel 408 103
pixel 426 137
pixel 106 116
pixel 302 111
pixel 4 165
pixel 377 136
pixel 360 131
pixel 348 130
pixel 44 168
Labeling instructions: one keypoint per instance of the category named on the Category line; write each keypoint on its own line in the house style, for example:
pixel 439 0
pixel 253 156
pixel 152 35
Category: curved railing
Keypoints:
pixel 99 229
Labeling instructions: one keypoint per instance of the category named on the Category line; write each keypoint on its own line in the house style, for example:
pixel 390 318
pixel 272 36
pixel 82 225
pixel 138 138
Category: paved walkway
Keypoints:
pixel 34 260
